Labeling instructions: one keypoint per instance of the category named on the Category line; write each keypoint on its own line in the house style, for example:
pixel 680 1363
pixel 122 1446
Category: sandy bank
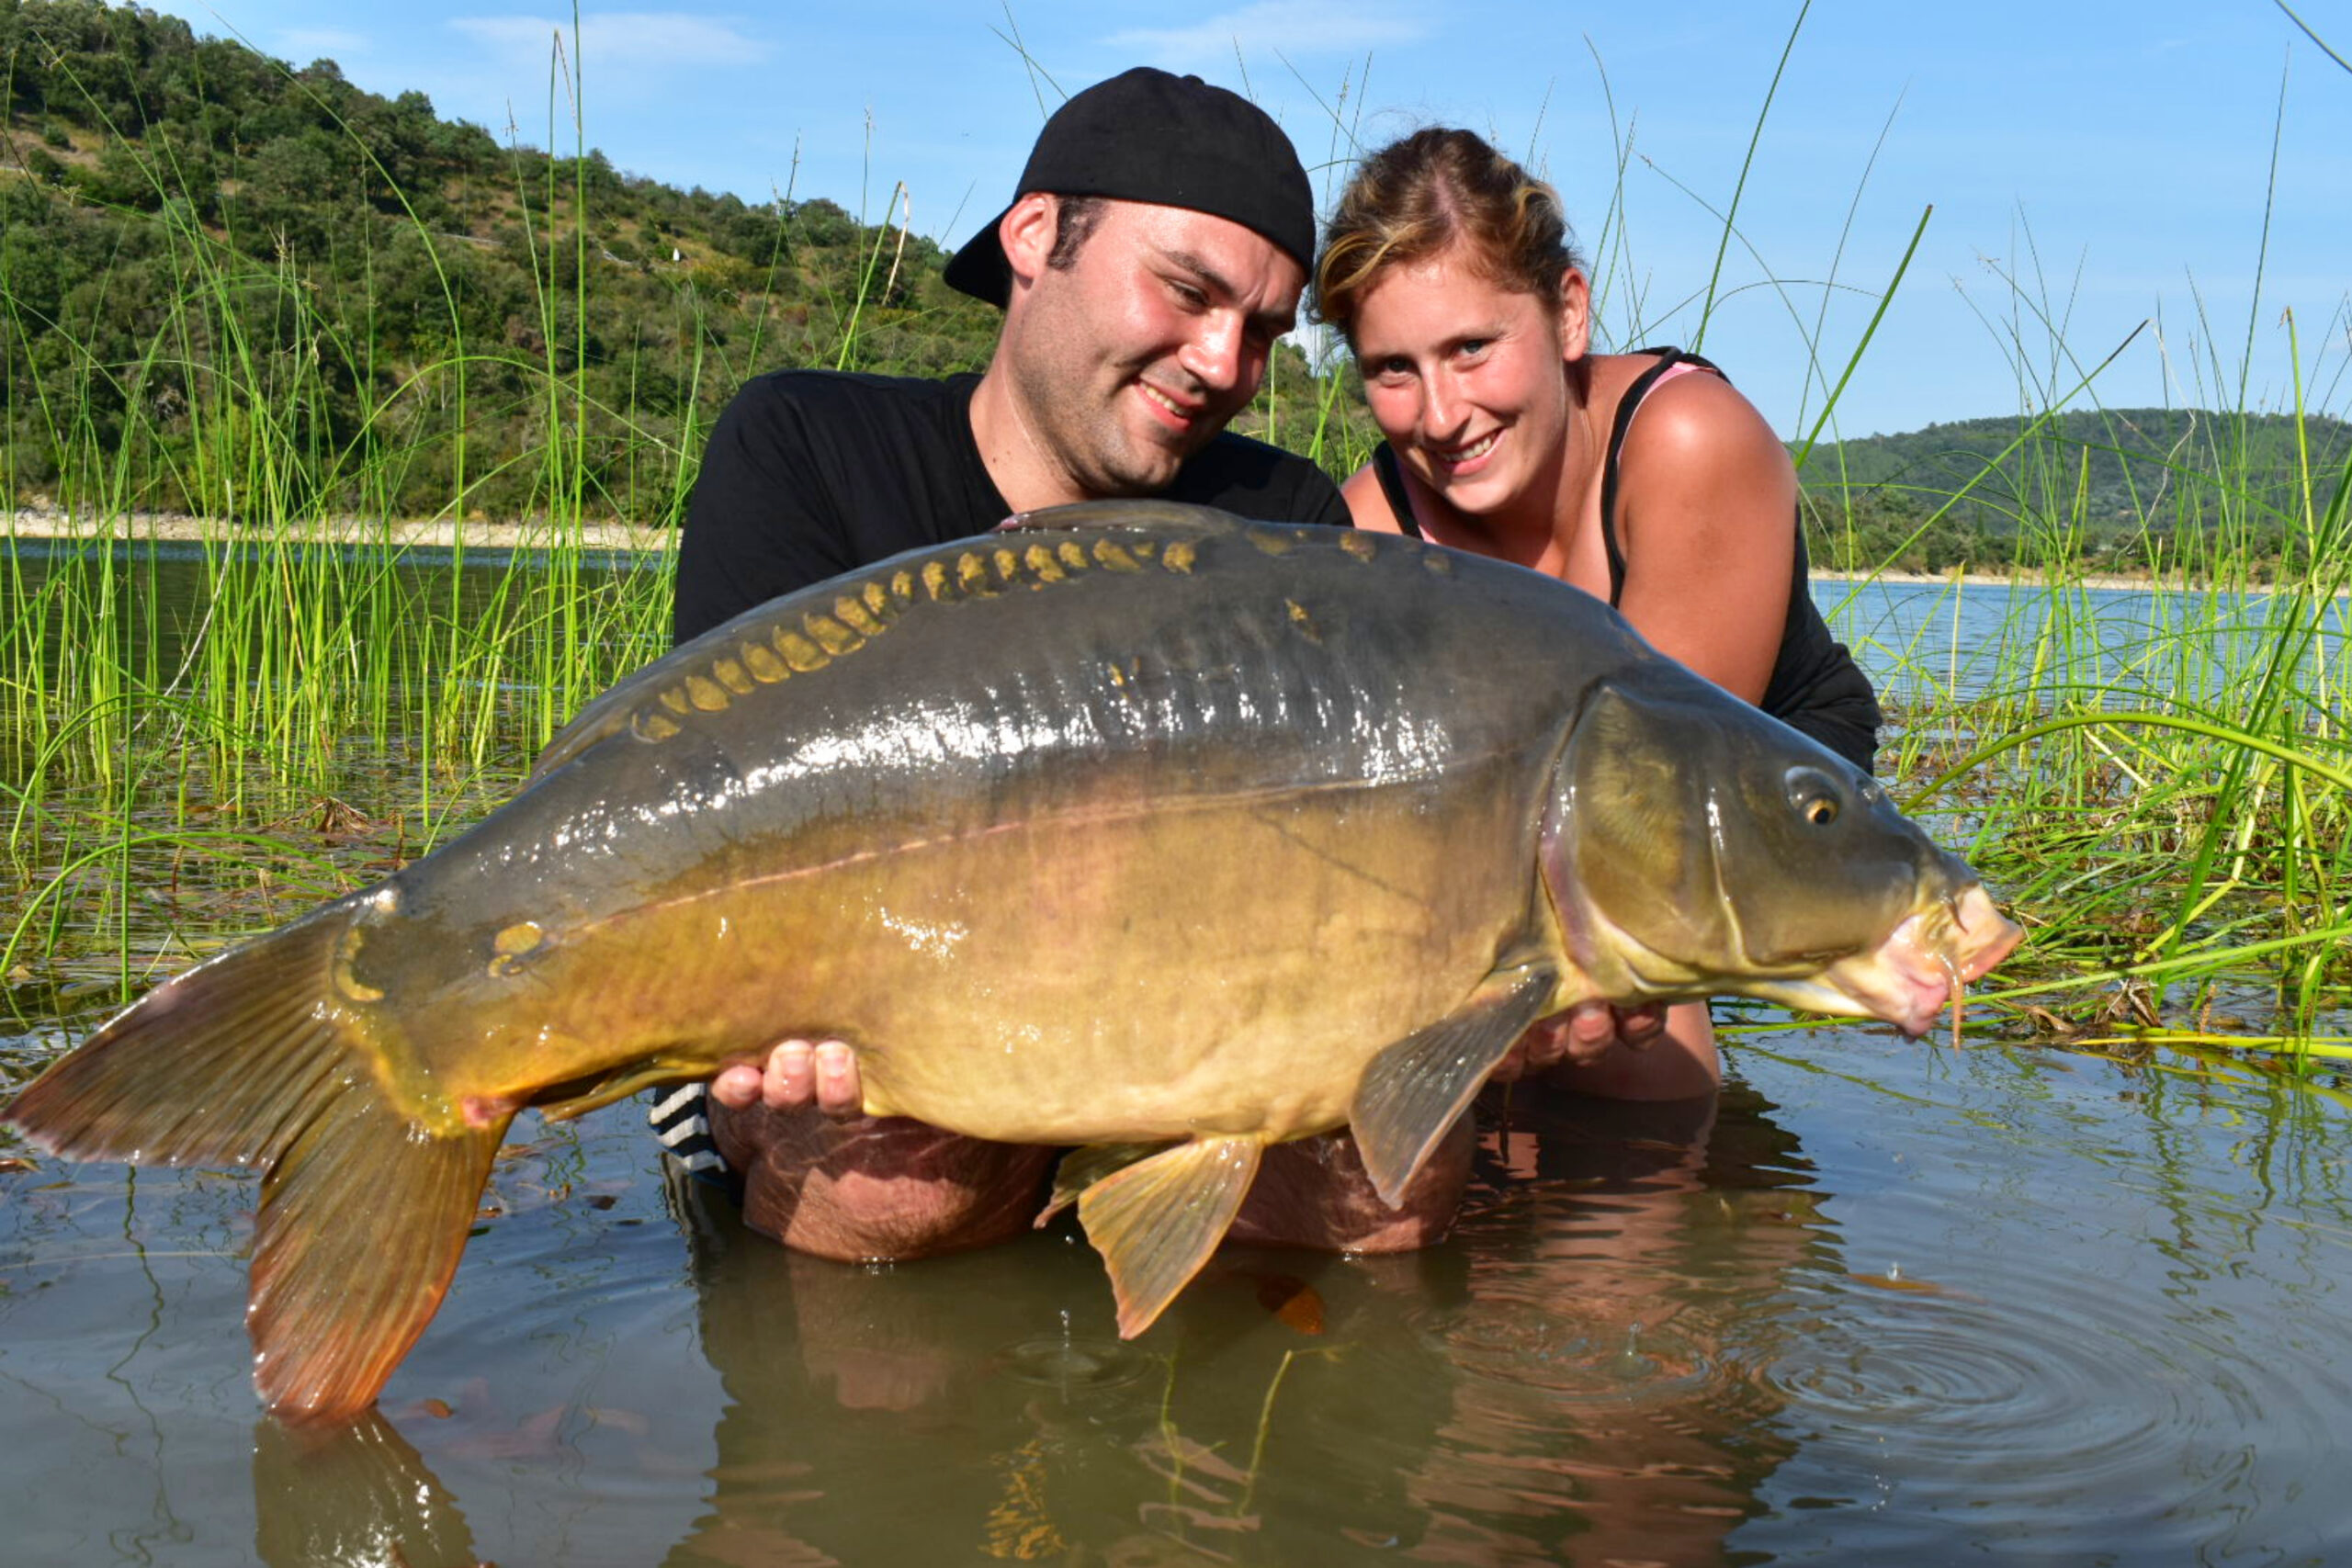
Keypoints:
pixel 444 533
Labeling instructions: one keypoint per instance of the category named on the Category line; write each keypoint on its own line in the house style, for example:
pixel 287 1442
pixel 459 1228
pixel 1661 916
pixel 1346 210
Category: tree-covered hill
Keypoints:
pixel 200 246
pixel 2123 487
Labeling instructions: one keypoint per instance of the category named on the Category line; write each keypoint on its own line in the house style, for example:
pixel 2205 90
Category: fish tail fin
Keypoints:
pixel 240 1061
pixel 223 1063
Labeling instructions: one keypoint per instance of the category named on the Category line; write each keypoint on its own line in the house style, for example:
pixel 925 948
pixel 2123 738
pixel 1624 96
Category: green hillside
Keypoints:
pixel 200 245
pixel 2122 487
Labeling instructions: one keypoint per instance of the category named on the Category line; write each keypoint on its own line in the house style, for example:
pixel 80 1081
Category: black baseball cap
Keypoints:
pixel 1145 135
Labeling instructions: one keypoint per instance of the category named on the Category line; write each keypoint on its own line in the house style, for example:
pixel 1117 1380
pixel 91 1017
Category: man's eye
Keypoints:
pixel 1190 296
pixel 1473 348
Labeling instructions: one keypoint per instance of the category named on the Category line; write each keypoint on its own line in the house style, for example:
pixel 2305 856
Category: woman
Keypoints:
pixel 1449 271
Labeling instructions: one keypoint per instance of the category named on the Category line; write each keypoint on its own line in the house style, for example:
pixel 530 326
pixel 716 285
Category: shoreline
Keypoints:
pixel 646 539
pixel 440 532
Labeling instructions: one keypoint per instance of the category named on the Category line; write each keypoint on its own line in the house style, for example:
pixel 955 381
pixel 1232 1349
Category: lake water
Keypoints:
pixel 1883 1300
pixel 1923 641
pixel 1917 639
pixel 1877 1301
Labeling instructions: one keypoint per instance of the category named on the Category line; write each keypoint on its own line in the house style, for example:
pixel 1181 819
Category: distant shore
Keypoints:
pixel 450 534
pixel 442 533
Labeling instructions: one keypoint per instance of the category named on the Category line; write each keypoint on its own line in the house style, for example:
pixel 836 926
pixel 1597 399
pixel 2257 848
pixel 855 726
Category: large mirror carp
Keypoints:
pixel 1134 827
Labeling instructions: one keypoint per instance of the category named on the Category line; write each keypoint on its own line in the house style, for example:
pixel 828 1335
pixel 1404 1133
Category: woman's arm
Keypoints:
pixel 1707 521
pixel 1368 503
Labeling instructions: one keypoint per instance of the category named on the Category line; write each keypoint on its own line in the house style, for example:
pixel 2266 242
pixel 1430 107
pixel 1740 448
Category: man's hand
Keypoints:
pixel 796 1073
pixel 1579 1037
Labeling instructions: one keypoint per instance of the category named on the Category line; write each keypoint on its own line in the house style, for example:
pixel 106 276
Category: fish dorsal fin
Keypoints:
pixel 618 708
pixel 1156 1221
pixel 1159 515
pixel 1412 1091
pixel 603 716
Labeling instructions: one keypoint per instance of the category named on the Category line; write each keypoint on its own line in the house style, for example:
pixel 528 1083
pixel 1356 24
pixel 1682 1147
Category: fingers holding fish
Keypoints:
pixel 794 1074
pixel 1676 1057
pixel 1582 1036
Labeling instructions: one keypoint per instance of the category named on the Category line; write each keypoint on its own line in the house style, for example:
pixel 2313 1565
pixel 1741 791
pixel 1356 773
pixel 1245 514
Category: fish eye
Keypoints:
pixel 1815 794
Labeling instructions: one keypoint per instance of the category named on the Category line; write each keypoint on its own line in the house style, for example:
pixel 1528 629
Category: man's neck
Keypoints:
pixel 1018 462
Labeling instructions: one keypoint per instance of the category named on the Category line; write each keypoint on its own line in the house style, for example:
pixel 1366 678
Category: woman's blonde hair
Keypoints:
pixel 1415 198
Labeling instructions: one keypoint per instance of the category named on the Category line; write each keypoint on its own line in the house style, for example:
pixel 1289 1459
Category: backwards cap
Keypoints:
pixel 1145 135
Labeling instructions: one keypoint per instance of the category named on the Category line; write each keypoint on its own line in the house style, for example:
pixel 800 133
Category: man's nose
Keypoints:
pixel 1213 356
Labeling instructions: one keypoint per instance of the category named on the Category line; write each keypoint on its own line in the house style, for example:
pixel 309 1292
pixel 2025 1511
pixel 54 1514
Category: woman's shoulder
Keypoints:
pixel 1686 416
pixel 1368 502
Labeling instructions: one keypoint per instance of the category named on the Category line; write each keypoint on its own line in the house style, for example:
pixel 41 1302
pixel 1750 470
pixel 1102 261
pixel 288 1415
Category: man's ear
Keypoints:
pixel 1027 231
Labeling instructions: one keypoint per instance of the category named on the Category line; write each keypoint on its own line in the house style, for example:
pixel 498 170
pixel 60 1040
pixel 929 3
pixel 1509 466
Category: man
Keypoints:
pixel 1156 249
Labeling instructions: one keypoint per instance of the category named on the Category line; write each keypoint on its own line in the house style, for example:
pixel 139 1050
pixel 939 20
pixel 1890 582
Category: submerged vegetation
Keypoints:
pixel 200 739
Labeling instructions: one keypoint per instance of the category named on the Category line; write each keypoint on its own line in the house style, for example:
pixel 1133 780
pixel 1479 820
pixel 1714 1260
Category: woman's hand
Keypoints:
pixel 1579 1037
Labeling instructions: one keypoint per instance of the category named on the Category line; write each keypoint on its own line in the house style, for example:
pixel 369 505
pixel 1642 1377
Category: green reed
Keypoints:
pixel 2166 813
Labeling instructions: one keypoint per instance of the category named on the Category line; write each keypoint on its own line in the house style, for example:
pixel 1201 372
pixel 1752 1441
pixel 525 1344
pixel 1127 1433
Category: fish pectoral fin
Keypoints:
pixel 1411 1092
pixel 1156 1221
pixel 569 1100
pixel 361 1224
pixel 1082 1168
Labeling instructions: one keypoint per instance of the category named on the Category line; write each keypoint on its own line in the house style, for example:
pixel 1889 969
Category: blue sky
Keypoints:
pixel 2091 166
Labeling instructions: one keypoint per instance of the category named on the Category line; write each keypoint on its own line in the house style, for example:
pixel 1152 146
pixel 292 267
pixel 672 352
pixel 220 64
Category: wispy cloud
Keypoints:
pixel 643 39
pixel 1290 27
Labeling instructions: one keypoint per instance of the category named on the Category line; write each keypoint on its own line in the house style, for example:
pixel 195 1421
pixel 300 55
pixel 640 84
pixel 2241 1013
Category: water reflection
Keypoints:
pixel 1558 1384
pixel 1621 1266
pixel 356 1494
pixel 1553 1377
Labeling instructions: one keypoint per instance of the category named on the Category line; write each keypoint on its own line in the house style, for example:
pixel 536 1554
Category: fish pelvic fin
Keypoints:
pixel 1156 1221
pixel 1082 1168
pixel 1411 1092
pixel 362 1222
pixel 246 1059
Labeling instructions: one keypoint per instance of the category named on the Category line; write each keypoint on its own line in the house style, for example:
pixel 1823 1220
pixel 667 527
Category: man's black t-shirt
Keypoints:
pixel 812 473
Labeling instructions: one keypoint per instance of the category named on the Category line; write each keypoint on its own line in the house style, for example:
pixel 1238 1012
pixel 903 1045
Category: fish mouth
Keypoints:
pixel 1924 965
